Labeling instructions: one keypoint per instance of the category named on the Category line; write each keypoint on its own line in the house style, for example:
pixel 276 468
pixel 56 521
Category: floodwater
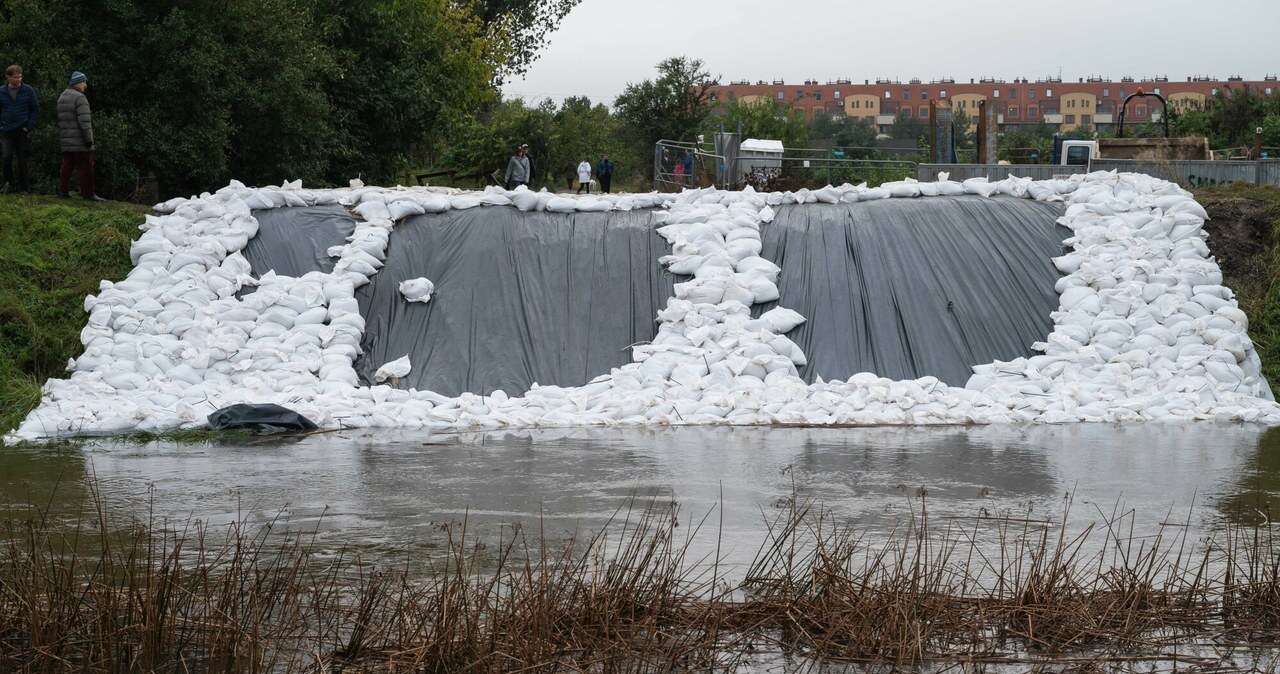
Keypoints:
pixel 386 494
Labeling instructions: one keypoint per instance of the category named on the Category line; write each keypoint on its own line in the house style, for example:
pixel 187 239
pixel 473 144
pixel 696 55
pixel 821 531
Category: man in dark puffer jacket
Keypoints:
pixel 75 134
pixel 19 108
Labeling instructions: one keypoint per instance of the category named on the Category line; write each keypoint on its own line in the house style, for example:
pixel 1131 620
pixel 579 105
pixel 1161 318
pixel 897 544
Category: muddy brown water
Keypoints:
pixel 387 494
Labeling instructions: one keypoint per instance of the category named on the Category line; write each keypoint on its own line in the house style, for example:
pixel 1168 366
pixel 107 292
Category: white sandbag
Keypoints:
pixel 373 210
pixel 526 200
pixel 404 208
pixel 561 205
pixel 396 369
pixel 434 203
pixel 782 320
pixel 417 290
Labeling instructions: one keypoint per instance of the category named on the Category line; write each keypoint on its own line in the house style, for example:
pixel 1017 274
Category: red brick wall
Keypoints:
pixel 1019 95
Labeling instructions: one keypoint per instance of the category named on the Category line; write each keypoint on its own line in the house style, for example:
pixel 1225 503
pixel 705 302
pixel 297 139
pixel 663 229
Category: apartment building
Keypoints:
pixel 1086 102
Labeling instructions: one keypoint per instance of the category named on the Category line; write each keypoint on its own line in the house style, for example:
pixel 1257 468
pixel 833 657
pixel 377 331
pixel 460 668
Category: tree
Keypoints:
pixel 198 92
pixel 905 126
pixel 674 106
pixel 1271 132
pixel 856 135
pixel 1030 144
pixel 518 30
pixel 558 138
pixel 1234 114
pixel 763 118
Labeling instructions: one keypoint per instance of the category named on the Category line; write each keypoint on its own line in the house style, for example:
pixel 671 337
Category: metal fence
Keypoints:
pixel 677 165
pixel 1194 173
pixel 1269 172
pixel 996 171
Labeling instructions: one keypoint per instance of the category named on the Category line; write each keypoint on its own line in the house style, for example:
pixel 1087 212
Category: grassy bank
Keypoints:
pixel 53 252
pixel 1244 234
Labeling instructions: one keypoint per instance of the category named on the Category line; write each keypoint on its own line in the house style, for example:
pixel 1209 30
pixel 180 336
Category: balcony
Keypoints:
pixel 1103 118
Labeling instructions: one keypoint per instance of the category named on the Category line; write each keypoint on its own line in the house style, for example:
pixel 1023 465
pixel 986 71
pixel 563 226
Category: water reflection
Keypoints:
pixel 1254 497
pixel 387 491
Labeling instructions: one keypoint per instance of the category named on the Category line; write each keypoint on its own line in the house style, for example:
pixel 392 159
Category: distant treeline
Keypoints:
pixel 188 95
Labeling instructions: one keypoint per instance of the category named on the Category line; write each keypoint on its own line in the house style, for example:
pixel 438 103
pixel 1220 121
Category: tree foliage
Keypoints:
pixel 517 30
pixel 674 106
pixel 762 118
pixel 192 94
pixel 856 134
pixel 559 137
pixel 906 126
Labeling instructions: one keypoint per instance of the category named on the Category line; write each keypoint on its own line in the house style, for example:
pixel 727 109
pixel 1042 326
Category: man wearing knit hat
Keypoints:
pixel 19 108
pixel 75 134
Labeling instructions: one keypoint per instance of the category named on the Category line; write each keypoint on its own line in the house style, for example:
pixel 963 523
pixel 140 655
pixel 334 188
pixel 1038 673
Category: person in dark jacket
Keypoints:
pixel 19 108
pixel 604 171
pixel 75 135
pixel 519 170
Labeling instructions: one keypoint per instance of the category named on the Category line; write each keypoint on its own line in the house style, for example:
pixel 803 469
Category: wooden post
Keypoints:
pixel 1257 144
pixel 981 140
pixel 933 131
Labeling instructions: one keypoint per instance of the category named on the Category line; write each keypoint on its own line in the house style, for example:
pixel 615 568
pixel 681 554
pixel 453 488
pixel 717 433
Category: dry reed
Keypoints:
pixel 91 598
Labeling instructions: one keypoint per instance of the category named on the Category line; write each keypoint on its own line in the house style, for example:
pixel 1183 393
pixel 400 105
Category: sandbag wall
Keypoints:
pixel 908 288
pixel 1143 328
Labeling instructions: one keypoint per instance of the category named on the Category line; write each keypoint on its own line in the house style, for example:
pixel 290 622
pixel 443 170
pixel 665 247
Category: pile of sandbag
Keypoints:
pixel 1144 331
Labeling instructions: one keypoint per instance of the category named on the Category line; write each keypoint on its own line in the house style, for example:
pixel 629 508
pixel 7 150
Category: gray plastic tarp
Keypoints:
pixel 295 240
pixel 912 287
pixel 551 298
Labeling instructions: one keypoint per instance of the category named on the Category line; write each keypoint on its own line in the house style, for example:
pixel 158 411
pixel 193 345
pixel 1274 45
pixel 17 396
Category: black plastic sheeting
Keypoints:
pixel 267 418
pixel 912 287
pixel 520 298
pixel 295 240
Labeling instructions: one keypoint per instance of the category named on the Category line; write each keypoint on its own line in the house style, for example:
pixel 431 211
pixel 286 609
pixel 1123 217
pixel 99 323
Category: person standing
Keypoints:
pixel 584 176
pixel 19 108
pixel 604 171
pixel 75 135
pixel 519 170
pixel 688 166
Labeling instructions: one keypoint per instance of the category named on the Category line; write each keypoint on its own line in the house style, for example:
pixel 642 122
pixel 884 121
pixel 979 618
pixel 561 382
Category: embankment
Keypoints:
pixel 53 252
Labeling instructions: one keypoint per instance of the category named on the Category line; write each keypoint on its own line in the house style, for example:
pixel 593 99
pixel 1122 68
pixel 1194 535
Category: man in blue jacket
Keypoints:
pixel 19 108
pixel 604 171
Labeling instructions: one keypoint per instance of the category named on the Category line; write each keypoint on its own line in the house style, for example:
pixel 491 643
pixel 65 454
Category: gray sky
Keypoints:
pixel 603 44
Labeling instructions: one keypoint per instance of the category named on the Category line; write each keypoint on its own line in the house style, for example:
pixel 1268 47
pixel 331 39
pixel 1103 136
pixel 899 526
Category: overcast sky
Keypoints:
pixel 603 44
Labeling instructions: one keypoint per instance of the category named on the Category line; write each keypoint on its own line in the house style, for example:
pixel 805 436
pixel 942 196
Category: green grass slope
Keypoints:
pixel 1244 234
pixel 53 252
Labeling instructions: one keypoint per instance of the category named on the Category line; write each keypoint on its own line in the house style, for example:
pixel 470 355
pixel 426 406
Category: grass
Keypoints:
pixel 53 252
pixel 1245 236
pixel 92 597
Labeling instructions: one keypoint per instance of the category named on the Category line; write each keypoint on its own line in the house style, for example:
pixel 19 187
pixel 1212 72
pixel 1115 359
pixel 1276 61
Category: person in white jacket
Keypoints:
pixel 584 177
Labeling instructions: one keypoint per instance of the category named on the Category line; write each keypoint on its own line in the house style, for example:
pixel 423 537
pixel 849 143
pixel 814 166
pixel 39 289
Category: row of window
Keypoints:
pixel 1014 112
pixel 995 93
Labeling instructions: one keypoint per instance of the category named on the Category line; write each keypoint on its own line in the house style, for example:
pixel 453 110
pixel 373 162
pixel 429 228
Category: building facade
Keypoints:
pixel 1084 103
